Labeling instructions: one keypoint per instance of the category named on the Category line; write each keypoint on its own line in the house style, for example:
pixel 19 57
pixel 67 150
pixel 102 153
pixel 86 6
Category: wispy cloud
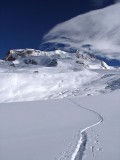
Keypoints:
pixel 117 1
pixel 99 28
pixel 99 3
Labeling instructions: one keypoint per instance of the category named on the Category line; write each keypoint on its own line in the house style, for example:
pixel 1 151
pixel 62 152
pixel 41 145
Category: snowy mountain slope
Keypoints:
pixel 76 74
pixel 47 84
pixel 81 58
pixel 29 129
pixel 71 128
pixel 100 28
pixel 36 83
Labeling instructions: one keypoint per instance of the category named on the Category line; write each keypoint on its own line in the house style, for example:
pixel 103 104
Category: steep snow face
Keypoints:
pixel 34 57
pixel 100 28
pixel 16 53
pixel 83 58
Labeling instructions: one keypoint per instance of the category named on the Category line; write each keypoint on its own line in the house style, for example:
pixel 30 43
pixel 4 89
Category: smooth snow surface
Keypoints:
pixel 103 140
pixel 51 129
pixel 41 130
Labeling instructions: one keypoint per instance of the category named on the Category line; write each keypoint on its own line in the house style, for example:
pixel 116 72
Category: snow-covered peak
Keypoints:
pixel 89 61
pixel 55 74
pixel 14 54
pixel 82 58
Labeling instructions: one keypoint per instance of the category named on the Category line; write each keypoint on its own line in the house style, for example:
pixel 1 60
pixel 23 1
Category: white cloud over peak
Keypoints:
pixel 100 28
pixel 99 3
pixel 117 1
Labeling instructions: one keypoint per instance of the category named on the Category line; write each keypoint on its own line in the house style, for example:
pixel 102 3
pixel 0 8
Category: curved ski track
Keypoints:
pixel 81 146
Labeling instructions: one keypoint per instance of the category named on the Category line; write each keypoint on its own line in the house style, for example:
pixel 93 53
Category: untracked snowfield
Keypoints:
pixel 68 129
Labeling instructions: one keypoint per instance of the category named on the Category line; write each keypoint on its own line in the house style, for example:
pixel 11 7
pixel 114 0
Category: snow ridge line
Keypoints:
pixel 81 146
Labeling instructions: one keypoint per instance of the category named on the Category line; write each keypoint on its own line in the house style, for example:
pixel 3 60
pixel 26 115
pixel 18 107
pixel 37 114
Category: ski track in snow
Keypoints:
pixel 81 146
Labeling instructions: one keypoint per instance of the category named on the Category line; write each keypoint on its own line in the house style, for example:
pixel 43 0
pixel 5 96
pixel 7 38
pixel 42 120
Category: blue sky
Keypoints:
pixel 24 23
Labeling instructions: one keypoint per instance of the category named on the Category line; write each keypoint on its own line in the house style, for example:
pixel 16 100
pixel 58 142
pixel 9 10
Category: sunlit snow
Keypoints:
pixel 62 105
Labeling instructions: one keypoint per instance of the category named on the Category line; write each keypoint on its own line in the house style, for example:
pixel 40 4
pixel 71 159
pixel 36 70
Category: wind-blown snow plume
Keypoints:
pixel 100 28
